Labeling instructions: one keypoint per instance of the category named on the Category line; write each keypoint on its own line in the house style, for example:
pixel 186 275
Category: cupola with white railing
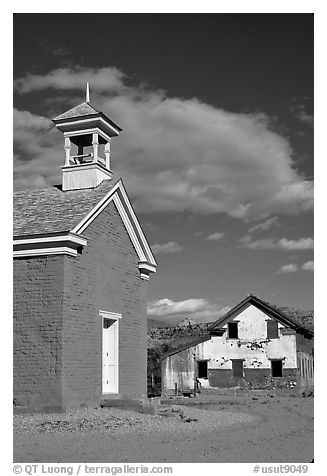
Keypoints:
pixel 88 133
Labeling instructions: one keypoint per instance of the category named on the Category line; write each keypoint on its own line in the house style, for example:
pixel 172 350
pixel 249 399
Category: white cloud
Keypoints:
pixel 306 118
pixel 273 243
pixel 200 310
pixel 215 236
pixel 167 307
pixel 104 80
pixel 308 266
pixel 299 108
pixel 174 154
pixel 288 268
pixel 170 247
pixel 266 225
pixel 300 244
pixel 292 268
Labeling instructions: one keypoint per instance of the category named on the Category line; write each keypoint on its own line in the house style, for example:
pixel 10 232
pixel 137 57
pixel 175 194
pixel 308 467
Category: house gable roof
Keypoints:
pixel 267 308
pixel 50 211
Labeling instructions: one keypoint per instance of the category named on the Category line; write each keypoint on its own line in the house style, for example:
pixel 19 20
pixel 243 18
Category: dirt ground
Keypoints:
pixel 219 429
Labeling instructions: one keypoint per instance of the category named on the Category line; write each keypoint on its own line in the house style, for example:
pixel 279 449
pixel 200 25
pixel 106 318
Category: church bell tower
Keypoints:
pixel 89 132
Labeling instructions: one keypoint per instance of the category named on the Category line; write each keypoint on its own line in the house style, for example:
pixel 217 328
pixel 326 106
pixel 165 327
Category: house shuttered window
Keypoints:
pixel 272 329
pixel 232 330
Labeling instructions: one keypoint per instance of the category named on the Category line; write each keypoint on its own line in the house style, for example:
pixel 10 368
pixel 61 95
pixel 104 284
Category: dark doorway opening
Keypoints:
pixel 237 368
pixel 276 368
pixel 202 369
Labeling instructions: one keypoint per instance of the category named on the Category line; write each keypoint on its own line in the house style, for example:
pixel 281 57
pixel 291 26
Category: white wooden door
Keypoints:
pixel 110 356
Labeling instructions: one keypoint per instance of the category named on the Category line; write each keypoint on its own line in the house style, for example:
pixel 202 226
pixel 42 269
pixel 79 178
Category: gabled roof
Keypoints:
pixel 83 109
pixel 50 210
pixel 264 306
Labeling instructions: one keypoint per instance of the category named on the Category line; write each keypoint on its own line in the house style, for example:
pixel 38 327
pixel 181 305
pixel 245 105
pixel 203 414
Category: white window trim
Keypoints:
pixel 110 315
pixel 116 317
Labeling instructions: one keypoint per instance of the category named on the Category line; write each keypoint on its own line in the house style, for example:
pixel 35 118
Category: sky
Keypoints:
pixel 216 151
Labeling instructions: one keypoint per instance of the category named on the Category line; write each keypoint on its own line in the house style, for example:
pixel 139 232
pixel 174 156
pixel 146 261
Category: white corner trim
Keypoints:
pixel 146 265
pixel 60 250
pixel 110 315
pixel 79 240
pixel 33 246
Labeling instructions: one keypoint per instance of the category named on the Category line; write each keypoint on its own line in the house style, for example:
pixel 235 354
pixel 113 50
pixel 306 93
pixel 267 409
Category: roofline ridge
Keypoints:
pixel 269 307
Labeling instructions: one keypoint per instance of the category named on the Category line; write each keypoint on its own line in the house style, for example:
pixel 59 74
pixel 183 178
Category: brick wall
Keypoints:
pixel 38 298
pixel 104 277
pixel 57 327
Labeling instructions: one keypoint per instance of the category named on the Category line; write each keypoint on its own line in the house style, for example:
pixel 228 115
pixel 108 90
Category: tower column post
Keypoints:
pixel 95 144
pixel 107 151
pixel 67 150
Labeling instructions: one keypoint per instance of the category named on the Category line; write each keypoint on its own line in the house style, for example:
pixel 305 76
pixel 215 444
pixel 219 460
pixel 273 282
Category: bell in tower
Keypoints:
pixel 89 132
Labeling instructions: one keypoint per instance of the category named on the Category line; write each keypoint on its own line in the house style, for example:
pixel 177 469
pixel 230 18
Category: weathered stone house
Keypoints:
pixel 254 345
pixel 81 269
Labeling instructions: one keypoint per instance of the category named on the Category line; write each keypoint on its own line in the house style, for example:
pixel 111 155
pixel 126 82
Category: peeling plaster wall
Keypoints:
pixel 252 346
pixel 179 369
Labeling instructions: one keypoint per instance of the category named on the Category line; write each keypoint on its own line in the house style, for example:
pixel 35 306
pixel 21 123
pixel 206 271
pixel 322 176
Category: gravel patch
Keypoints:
pixel 125 421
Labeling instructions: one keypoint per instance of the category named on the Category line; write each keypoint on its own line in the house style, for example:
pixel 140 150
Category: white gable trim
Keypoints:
pixel 87 220
pixel 70 237
pixel 147 262
pixel 60 250
pixel 129 227
pixel 64 244
pixel 137 224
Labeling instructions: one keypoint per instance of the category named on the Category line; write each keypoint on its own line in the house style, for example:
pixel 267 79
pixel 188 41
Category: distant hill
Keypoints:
pixel 171 337
pixel 304 318
pixel 186 322
pixel 156 324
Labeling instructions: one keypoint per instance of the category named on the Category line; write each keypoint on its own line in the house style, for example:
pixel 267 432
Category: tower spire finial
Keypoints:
pixel 87 92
